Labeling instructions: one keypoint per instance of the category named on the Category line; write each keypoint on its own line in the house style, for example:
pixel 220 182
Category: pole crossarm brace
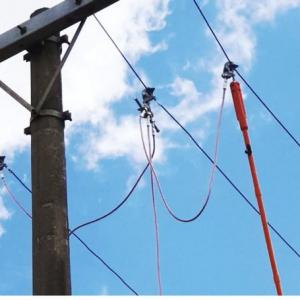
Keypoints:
pixel 14 95
pixel 48 23
pixel 59 68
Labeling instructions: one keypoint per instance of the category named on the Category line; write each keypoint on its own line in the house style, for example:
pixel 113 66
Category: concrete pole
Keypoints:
pixel 51 260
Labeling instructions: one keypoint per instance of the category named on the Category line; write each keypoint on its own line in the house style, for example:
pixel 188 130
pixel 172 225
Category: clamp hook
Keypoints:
pixel 228 71
pixel 145 108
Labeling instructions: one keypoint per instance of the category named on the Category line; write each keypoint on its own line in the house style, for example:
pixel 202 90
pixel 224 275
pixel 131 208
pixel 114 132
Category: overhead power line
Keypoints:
pixel 227 178
pixel 269 110
pixel 121 52
pixel 19 179
pixel 75 235
pixel 210 159
pixel 104 263
pixel 212 173
pixel 288 132
pixel 96 220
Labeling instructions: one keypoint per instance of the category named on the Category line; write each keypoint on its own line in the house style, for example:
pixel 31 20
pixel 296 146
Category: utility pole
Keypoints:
pixel 50 230
pixel 51 261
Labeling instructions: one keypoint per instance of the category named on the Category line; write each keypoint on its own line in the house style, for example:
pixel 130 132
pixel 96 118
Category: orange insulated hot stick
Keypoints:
pixel 241 116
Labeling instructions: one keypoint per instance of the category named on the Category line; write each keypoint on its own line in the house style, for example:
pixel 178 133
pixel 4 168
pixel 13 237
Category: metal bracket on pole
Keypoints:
pixel 65 116
pixel 58 70
pixel 62 39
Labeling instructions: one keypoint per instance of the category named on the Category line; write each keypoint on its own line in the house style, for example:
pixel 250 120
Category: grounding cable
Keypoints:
pixel 281 237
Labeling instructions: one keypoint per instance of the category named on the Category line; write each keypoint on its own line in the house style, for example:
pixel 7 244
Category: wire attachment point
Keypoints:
pixel 145 108
pixel 228 71
pixel 148 95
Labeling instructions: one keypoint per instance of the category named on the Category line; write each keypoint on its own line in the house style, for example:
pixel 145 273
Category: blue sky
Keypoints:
pixel 223 252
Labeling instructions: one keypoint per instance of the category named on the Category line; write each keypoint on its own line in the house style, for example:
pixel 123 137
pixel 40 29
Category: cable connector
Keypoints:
pixel 2 164
pixel 145 108
pixel 148 95
pixel 228 71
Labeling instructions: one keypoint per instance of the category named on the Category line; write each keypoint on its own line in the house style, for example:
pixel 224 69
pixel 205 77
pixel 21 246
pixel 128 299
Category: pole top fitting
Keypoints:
pixel 228 71
pixel 2 164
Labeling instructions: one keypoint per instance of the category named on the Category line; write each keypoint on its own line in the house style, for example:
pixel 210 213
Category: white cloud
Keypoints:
pixel 4 213
pixel 235 24
pixel 236 21
pixel 235 31
pixel 267 10
pixel 193 104
pixel 118 138
pixel 96 77
pixel 14 118
pixel 103 72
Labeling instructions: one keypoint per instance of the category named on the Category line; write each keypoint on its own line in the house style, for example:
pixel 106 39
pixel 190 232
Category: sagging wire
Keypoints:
pixel 235 187
pixel 227 178
pixel 12 196
pixel 146 113
pixel 212 172
pixel 287 131
pixel 96 220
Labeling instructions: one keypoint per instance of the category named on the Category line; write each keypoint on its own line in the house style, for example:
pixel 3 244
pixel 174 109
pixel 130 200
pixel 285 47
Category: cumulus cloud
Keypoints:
pixel 96 78
pixel 235 27
pixel 267 10
pixel 15 73
pixel 117 138
pixel 105 79
pixel 237 20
